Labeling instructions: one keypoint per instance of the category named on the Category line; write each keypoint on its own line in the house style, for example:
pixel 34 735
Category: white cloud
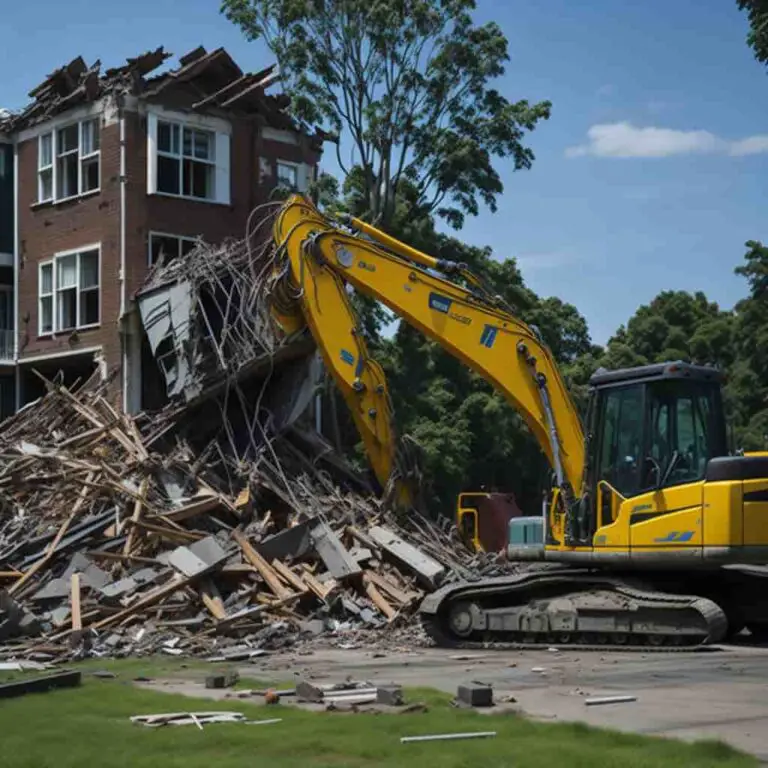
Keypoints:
pixel 752 145
pixel 626 140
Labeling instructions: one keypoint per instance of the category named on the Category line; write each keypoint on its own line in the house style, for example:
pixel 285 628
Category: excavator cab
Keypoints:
pixel 651 433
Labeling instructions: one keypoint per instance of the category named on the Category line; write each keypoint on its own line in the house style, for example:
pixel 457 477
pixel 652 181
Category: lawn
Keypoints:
pixel 89 726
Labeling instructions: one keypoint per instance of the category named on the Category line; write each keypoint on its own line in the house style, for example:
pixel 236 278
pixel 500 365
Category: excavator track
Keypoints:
pixel 590 612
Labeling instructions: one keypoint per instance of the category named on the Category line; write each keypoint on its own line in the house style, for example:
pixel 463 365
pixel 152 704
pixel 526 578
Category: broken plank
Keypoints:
pixel 77 622
pixel 212 599
pixel 83 495
pixel 405 598
pixel 40 684
pixel 138 506
pixel 288 575
pixel 378 599
pixel 427 570
pixel 261 565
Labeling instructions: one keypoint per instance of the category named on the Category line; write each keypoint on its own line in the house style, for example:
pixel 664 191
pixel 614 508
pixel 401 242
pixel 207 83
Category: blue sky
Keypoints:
pixel 650 174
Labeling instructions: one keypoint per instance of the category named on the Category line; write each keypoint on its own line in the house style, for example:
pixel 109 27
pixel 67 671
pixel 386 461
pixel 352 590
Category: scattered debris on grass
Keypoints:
pixel 197 718
pixel 448 736
pixel 41 684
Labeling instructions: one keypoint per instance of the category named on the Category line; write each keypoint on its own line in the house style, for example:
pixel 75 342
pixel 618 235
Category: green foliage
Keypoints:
pixel 757 38
pixel 409 86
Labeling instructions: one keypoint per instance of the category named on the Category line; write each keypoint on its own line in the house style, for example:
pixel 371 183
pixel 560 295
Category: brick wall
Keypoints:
pixel 50 228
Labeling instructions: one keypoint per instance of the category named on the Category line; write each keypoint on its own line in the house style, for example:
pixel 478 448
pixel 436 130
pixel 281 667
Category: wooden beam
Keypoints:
pixel 77 620
pixel 261 565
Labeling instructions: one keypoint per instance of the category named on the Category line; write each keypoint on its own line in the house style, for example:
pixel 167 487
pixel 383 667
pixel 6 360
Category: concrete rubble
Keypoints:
pixel 115 542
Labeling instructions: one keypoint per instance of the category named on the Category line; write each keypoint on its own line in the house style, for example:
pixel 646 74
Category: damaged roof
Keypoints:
pixel 208 81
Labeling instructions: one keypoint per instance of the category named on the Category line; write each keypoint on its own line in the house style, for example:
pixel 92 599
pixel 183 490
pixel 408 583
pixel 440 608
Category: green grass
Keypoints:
pixel 89 726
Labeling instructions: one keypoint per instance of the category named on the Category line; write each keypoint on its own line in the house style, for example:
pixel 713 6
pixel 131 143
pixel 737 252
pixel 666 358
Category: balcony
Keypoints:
pixel 6 345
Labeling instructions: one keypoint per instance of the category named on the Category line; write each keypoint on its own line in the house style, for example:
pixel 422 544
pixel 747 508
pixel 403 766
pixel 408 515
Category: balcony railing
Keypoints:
pixel 6 345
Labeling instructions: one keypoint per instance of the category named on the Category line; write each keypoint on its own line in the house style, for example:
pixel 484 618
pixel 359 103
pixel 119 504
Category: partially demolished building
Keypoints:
pixel 107 172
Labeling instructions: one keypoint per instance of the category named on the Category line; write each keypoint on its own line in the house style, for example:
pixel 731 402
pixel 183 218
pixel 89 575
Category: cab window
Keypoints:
pixel 622 438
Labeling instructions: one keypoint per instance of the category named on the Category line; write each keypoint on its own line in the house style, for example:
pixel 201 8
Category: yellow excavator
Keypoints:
pixel 653 535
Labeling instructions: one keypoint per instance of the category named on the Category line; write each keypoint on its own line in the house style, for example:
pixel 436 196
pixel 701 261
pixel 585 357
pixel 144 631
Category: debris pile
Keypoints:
pixel 117 538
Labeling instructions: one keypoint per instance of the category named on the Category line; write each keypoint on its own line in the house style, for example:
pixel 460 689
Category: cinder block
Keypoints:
pixel 476 695
pixel 391 695
pixel 223 680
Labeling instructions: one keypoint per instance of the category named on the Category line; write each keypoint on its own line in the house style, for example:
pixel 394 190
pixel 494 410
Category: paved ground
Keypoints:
pixel 716 694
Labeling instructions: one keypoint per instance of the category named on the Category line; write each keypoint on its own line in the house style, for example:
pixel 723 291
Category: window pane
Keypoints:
pixel 168 137
pixel 66 302
pixel 168 175
pixel 66 271
pixel 46 154
pixel 90 137
pixel 164 246
pixel 46 314
pixel 198 179
pixel 89 269
pixel 203 145
pixel 67 138
pixel 89 174
pixel 622 439
pixel 187 145
pixel 66 178
pixel 46 184
pixel 187 246
pixel 288 175
pixel 89 307
pixel 46 279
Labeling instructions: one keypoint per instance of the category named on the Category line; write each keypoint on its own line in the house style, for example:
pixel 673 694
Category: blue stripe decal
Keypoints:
pixel 675 538
pixel 488 336
pixel 347 357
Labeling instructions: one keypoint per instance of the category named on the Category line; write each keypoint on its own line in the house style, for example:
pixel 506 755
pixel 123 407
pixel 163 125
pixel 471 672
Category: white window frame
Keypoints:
pixel 82 159
pixel 155 233
pixel 54 292
pixel 221 154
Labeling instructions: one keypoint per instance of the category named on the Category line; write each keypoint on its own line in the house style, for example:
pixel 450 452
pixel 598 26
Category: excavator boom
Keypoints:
pixel 468 322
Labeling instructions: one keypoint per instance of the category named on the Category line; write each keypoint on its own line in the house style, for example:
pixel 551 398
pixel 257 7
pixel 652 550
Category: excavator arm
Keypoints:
pixel 319 258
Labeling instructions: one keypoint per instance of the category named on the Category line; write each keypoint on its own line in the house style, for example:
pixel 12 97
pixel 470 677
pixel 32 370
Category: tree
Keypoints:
pixel 409 83
pixel 757 38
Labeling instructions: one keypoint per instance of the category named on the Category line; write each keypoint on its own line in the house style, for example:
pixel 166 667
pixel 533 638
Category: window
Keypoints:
pixel 68 292
pixel 681 426
pixel 287 175
pixel 188 158
pixel 68 161
pixel 169 246
pixel 622 437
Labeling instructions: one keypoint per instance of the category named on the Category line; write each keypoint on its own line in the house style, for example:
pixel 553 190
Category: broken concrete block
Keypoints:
pixel 222 680
pixel 198 558
pixel 333 553
pixel 475 695
pixel 309 692
pixel 313 626
pixel 428 570
pixel 390 695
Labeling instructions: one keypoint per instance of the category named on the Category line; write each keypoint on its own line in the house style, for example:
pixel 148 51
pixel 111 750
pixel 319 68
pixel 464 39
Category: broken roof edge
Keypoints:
pixel 77 83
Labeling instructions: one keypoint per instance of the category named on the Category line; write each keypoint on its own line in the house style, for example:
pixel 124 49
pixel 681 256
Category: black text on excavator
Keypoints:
pixel 653 534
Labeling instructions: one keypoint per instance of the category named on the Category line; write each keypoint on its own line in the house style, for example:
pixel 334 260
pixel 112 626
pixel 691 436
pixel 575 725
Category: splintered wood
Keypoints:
pixel 115 541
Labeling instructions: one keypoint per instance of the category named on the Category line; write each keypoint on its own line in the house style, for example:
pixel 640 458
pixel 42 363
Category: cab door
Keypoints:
pixel 666 517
